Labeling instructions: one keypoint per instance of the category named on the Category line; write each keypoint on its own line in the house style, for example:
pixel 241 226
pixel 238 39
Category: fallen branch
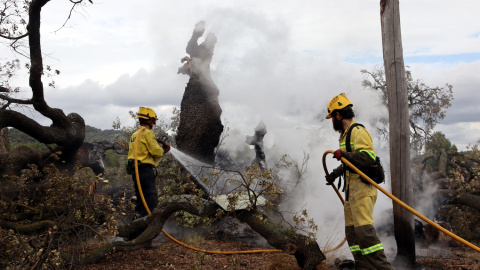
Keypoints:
pixel 27 228
pixel 306 251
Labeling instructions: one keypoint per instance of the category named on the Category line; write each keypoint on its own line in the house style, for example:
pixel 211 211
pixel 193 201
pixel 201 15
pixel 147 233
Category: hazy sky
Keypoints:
pixel 275 61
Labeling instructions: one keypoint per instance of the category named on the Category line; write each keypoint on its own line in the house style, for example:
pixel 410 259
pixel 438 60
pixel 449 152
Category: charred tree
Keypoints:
pixel 257 141
pixel 91 154
pixel 200 125
pixel 399 124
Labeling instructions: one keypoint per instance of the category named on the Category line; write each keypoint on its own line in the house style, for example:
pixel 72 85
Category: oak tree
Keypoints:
pixel 427 104
pixel 20 27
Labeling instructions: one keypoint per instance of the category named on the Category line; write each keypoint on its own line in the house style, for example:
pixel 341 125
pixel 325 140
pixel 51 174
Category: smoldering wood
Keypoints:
pixel 445 193
pixel 200 125
pixel 186 69
pixel 257 141
pixel 444 187
pixel 399 127
pixel 91 154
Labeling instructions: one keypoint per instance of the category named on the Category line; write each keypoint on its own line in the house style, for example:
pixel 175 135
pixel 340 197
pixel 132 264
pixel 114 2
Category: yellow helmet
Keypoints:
pixel 146 113
pixel 338 102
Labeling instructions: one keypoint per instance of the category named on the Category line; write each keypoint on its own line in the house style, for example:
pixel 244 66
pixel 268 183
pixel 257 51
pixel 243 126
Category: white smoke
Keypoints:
pixel 313 139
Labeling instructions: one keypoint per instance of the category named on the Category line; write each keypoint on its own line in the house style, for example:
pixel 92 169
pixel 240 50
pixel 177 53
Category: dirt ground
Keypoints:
pixel 459 258
pixel 168 255
pixel 173 256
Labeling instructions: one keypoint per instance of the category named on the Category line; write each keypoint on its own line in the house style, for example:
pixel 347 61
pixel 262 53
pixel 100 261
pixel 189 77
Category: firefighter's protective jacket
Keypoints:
pixel 362 156
pixel 148 149
pixel 360 198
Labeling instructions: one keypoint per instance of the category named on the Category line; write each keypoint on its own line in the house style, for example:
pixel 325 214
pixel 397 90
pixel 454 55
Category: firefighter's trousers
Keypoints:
pixel 362 238
pixel 149 189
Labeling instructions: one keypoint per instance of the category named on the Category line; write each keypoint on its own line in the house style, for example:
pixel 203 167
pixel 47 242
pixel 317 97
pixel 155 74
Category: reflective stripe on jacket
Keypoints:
pixel 362 155
pixel 360 141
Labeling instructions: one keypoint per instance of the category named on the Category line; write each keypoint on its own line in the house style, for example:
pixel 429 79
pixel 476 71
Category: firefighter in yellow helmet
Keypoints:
pixel 149 152
pixel 360 196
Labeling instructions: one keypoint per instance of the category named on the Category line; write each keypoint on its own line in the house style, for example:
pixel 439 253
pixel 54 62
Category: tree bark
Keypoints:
pixel 449 196
pixel 4 141
pixel 200 124
pixel 306 251
pixel 467 199
pixel 14 161
pixel 27 228
pixel 399 128
pixel 442 162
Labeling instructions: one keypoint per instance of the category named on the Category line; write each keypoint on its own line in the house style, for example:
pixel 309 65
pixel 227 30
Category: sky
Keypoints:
pixel 279 62
pixel 115 56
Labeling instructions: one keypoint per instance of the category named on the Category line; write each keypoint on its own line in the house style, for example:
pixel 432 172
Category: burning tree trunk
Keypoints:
pixel 257 141
pixel 200 124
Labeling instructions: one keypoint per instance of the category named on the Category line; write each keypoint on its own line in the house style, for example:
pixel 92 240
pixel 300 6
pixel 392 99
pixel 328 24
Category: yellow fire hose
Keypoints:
pixel 395 199
pixel 171 237
pixel 339 196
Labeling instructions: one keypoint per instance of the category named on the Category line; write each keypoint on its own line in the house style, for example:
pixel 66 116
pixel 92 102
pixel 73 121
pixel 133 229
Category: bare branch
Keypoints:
pixel 14 38
pixel 15 100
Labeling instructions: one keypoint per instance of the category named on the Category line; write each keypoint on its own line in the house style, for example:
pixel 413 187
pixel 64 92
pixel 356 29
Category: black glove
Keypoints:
pixel 330 178
pixel 338 154
pixel 166 147
pixel 163 143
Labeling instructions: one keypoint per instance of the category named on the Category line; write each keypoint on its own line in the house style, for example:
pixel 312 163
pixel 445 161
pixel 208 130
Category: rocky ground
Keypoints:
pixel 168 255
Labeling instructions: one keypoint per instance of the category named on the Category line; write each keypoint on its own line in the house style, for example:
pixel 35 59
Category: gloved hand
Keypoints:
pixel 338 154
pixel 330 178
pixel 166 147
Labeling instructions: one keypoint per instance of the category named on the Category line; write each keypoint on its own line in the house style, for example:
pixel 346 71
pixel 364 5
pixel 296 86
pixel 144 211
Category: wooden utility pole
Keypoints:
pixel 399 130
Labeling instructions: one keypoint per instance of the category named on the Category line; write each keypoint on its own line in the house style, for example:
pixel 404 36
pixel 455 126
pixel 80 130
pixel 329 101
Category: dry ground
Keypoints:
pixel 173 256
pixel 463 258
pixel 169 255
